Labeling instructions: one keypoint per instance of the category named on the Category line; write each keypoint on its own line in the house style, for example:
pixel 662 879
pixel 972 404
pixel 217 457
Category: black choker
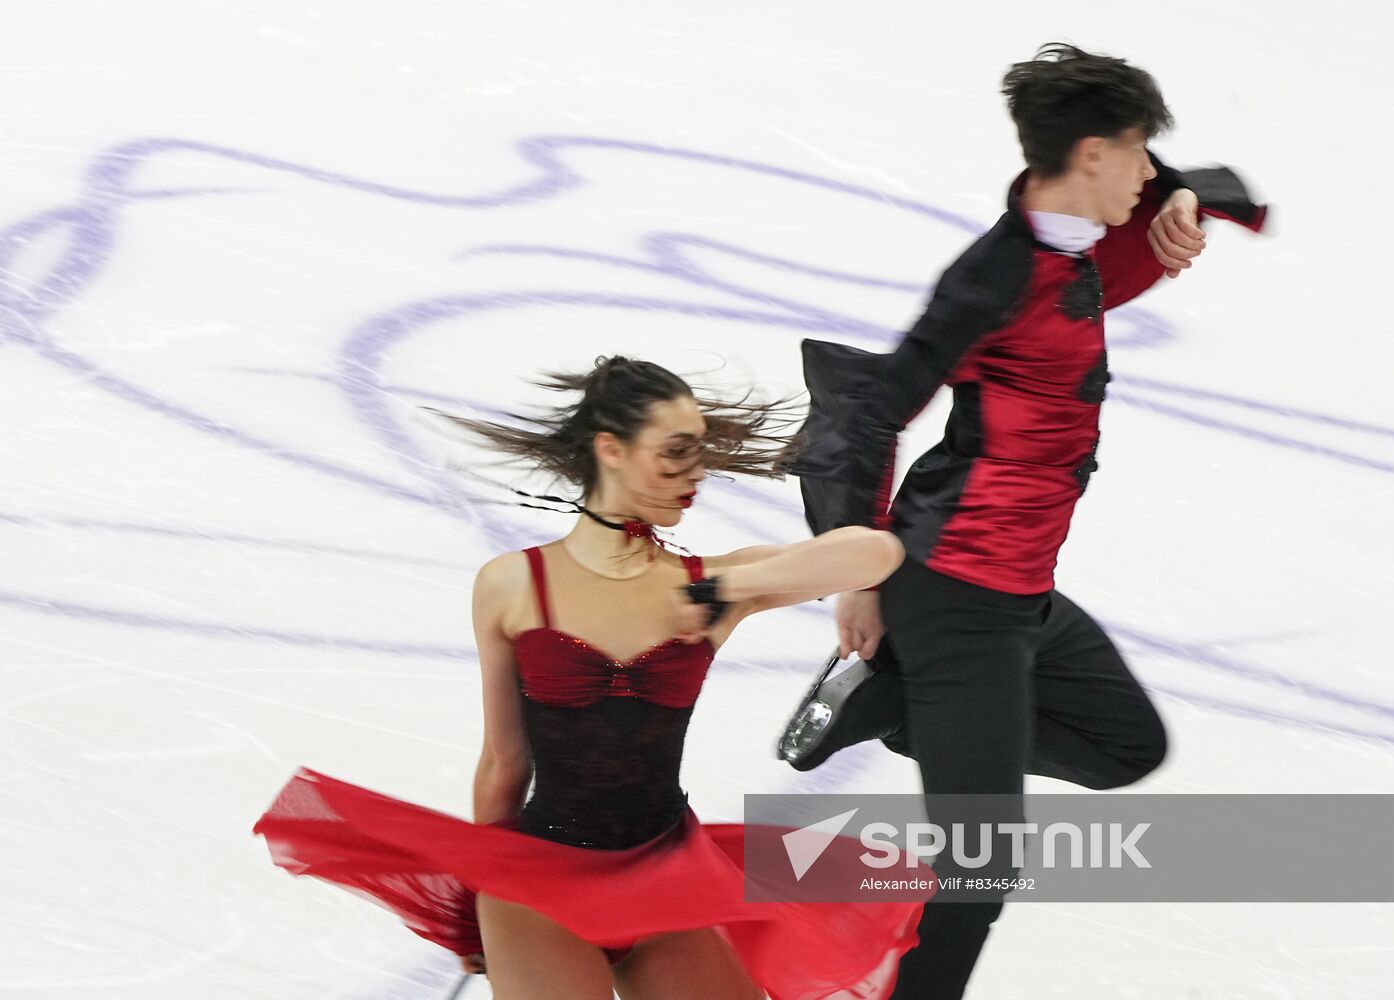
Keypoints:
pixel 631 526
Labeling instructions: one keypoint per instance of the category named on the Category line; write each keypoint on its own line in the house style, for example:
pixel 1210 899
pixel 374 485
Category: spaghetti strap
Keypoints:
pixel 694 567
pixel 539 583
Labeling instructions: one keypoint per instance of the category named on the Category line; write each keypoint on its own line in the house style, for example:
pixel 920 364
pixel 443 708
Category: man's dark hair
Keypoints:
pixel 1066 94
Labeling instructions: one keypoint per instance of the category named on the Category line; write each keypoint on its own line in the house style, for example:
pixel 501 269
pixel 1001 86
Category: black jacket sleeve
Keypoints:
pixel 1127 264
pixel 1221 192
pixel 859 406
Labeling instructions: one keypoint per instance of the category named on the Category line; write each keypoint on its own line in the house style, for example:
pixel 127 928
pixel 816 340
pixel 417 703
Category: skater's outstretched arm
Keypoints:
pixel 776 576
pixel 1163 236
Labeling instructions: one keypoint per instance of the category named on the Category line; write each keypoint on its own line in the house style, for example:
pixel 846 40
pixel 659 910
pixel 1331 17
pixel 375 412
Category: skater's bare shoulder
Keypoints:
pixel 503 595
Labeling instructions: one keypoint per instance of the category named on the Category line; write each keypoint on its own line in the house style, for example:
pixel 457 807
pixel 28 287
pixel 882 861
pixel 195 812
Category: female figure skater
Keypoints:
pixel 592 650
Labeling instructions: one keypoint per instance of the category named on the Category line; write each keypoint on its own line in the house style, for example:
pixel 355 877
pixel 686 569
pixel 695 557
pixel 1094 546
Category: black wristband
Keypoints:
pixel 703 591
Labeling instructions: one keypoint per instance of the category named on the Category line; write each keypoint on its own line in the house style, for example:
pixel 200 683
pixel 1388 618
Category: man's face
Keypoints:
pixel 1122 166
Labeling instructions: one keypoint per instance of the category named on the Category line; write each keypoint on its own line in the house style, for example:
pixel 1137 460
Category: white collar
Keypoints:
pixel 1066 233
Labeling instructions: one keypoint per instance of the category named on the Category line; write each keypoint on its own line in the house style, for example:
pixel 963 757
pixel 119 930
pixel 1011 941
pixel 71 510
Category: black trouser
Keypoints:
pixel 998 686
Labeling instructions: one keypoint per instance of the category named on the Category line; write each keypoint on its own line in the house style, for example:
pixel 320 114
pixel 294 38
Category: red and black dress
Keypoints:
pixel 606 845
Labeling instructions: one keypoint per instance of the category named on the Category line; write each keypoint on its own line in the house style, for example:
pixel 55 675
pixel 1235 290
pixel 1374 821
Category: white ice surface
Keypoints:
pixel 242 239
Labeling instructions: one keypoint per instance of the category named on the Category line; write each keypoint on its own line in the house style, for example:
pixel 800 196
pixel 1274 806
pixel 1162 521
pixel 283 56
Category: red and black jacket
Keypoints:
pixel 1016 328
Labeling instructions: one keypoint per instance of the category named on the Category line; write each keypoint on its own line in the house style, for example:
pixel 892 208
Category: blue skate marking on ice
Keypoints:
pixel 223 629
pixel 1262 436
pixel 218 536
pixel 92 227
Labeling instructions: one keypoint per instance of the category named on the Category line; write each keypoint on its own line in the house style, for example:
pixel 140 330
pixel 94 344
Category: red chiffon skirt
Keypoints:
pixel 427 866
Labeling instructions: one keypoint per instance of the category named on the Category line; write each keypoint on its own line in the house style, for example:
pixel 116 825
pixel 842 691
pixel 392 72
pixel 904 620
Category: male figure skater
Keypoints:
pixel 1001 674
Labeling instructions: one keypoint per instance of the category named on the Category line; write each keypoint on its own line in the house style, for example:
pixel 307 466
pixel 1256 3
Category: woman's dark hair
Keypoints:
pixel 1066 94
pixel 743 435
